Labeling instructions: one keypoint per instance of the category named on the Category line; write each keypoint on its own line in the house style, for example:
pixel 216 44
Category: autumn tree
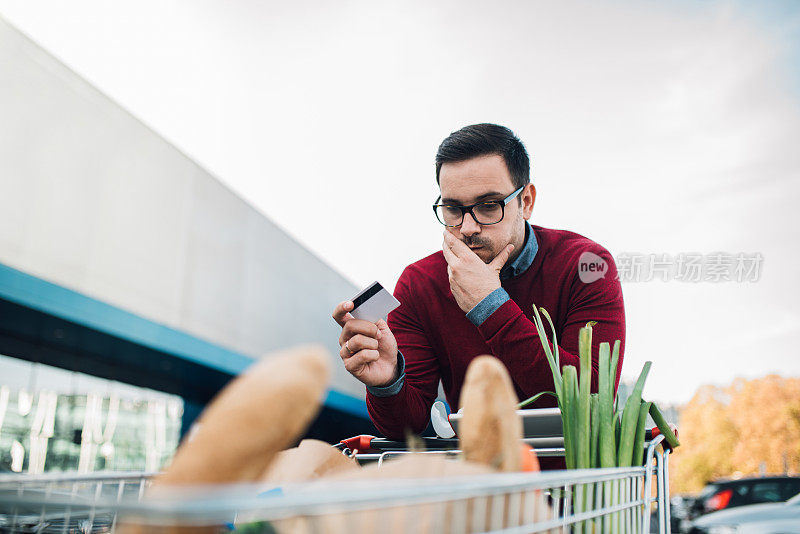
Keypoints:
pixel 737 430
pixel 764 412
pixel 708 438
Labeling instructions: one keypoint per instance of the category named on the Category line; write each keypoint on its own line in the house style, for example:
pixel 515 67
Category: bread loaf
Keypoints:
pixel 490 431
pixel 258 414
pixel 239 434
pixel 450 514
pixel 310 460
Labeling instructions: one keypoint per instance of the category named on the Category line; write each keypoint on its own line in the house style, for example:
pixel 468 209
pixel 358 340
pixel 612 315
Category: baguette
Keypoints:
pixel 258 414
pixel 477 514
pixel 310 460
pixel 241 431
pixel 490 431
pixel 421 518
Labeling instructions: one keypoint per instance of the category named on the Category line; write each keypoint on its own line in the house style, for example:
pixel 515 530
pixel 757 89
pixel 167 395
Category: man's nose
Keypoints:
pixel 470 226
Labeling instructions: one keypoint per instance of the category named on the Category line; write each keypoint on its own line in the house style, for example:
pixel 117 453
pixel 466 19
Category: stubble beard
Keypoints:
pixel 487 248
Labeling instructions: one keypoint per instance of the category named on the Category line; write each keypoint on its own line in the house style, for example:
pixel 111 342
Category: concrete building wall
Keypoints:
pixel 94 201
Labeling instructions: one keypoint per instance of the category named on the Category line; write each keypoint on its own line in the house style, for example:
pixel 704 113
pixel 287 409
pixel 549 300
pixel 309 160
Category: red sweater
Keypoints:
pixel 438 341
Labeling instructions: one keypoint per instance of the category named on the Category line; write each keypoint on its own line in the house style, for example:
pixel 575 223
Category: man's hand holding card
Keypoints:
pixel 368 347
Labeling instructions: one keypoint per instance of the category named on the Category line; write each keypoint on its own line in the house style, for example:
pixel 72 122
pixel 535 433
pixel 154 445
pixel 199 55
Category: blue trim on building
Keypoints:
pixel 346 403
pixel 32 292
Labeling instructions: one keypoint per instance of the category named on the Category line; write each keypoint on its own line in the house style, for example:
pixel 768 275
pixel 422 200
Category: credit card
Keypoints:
pixel 373 303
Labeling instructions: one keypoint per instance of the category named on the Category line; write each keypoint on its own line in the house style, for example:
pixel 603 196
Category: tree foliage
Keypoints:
pixel 740 429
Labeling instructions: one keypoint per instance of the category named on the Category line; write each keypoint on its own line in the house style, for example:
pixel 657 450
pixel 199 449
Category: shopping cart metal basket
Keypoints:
pixel 591 500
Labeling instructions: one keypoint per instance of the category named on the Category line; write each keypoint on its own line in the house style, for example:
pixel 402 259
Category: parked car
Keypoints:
pixel 726 494
pixel 680 508
pixel 769 518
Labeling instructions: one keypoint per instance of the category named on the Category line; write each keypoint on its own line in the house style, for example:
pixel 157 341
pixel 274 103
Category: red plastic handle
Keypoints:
pixel 656 432
pixel 360 443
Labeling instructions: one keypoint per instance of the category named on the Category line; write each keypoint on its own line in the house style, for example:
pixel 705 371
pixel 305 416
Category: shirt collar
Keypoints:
pixel 525 258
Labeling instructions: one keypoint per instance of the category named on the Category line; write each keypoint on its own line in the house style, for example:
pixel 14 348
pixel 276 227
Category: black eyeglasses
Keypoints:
pixel 489 212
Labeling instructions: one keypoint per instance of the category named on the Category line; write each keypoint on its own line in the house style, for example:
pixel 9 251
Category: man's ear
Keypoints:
pixel 528 198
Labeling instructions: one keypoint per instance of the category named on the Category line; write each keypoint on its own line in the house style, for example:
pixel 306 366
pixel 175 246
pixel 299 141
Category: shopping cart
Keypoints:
pixel 590 500
pixel 61 502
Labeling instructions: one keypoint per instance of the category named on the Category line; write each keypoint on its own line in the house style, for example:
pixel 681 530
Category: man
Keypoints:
pixel 476 295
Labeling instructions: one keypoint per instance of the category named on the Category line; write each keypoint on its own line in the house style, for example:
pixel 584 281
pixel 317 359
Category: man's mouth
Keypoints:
pixel 473 245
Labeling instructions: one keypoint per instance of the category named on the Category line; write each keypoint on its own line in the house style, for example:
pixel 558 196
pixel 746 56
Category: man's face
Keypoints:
pixel 481 179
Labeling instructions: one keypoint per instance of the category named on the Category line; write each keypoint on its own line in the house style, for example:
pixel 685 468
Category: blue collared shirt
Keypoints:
pixel 481 311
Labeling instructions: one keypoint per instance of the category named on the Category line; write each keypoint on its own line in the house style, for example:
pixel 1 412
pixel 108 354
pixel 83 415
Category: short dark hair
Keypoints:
pixel 484 140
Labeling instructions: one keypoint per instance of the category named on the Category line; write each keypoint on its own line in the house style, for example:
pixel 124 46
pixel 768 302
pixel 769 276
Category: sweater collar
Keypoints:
pixel 525 258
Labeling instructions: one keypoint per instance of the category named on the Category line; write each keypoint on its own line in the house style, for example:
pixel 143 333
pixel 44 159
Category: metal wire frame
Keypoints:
pixel 577 500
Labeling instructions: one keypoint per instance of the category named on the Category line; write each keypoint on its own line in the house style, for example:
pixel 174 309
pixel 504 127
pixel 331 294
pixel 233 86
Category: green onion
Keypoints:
pixel 594 454
pixel 555 338
pixel 584 402
pixel 663 426
pixel 607 446
pixel 630 416
pixel 638 440
pixel 531 400
pixel 614 362
pixel 569 415
pixel 549 353
pixel 597 433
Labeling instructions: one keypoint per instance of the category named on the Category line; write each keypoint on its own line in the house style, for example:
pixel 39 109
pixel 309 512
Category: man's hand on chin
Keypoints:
pixel 471 280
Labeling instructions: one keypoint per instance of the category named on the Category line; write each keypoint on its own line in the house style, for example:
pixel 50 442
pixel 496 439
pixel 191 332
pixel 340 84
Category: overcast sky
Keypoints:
pixel 653 128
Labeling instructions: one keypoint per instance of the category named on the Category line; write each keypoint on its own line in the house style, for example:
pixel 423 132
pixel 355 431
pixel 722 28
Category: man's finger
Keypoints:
pixel 501 259
pixel 451 243
pixel 360 359
pixel 358 326
pixel 359 342
pixel 458 247
pixel 344 354
pixel 462 251
pixel 340 313
pixel 449 257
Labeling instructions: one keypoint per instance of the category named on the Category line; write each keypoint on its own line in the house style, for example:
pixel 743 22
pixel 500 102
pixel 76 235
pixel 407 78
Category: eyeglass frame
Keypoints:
pixel 468 209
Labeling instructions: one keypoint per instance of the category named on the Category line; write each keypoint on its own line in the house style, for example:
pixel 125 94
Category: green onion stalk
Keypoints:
pixel 596 432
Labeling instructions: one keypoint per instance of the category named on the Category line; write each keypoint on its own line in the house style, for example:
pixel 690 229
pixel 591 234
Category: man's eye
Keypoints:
pixel 451 211
pixel 489 209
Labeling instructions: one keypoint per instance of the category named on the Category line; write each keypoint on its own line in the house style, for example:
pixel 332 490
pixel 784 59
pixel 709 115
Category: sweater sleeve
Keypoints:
pixel 513 338
pixel 410 407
